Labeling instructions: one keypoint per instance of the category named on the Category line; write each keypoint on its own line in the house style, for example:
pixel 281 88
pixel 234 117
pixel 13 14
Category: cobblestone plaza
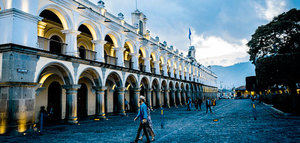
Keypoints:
pixel 235 124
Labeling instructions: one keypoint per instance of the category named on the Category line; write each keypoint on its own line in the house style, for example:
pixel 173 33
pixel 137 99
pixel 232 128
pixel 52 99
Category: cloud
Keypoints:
pixel 214 50
pixel 271 9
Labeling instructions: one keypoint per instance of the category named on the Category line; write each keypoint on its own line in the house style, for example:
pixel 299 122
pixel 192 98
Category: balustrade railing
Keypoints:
pixel 142 68
pixel 110 60
pixel 162 72
pixel 128 64
pixel 53 46
pixel 87 54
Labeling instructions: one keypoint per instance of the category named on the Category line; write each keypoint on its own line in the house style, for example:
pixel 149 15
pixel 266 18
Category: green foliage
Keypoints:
pixel 280 36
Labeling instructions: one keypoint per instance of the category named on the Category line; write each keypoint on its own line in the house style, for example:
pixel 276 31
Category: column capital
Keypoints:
pixel 99 42
pixel 100 88
pixel 156 62
pixel 147 59
pixel 71 31
pixel 121 89
pixel 119 49
pixel 137 89
pixel 71 87
pixel 134 54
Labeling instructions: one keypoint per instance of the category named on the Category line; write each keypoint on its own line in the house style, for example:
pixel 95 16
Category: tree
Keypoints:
pixel 274 49
pixel 280 36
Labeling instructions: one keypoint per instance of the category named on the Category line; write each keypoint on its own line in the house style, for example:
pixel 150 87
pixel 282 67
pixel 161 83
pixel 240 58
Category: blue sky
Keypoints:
pixel 220 28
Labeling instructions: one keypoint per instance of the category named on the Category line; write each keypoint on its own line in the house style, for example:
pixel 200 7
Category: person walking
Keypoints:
pixel 189 103
pixel 126 105
pixel 196 104
pixel 208 105
pixel 42 118
pixel 143 115
pixel 150 127
pixel 253 107
pixel 200 101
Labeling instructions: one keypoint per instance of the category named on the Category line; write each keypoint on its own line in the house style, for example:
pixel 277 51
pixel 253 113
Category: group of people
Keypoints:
pixel 198 104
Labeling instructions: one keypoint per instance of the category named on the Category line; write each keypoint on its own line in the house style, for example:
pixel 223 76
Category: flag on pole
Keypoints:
pixel 190 33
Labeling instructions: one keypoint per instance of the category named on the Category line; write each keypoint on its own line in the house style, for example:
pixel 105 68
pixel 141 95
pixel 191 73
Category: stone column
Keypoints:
pixel 158 98
pixel 164 66
pixel 99 48
pixel 172 72
pixel 136 95
pixel 177 73
pixel 120 56
pixel 156 66
pixel 172 98
pixel 71 40
pixel 100 105
pixel 188 93
pixel 71 103
pixel 148 97
pixel 121 105
pixel 184 96
pixel 167 98
pixel 17 105
pixel 135 60
pixel 147 64
pixel 179 97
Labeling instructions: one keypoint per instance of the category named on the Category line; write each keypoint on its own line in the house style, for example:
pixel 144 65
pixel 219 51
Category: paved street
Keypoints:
pixel 235 124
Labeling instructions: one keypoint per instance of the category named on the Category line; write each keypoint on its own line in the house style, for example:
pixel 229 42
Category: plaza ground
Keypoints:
pixel 235 123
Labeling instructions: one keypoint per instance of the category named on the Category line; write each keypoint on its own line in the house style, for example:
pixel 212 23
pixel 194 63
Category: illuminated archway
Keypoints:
pixel 131 85
pixel 84 42
pixel 142 56
pixel 113 84
pixel 155 90
pixel 127 54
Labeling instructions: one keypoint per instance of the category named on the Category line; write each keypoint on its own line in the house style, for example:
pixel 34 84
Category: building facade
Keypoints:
pixel 77 59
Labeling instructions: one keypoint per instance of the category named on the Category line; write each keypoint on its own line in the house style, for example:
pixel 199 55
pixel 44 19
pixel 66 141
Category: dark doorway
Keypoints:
pixel 132 107
pixel 82 53
pixel 54 100
pixel 115 101
pixel 82 101
pixel 55 45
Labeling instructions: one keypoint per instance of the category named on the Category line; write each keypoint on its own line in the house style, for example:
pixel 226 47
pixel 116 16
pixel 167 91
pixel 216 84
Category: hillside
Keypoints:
pixel 233 76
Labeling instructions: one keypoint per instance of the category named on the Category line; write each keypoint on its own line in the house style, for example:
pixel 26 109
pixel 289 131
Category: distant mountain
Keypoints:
pixel 233 76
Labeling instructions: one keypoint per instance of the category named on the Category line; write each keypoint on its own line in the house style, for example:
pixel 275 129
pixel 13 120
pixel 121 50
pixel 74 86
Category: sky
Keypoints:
pixel 220 28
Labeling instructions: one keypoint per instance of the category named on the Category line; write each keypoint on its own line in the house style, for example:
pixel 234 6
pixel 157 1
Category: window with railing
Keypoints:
pixel 110 60
pixel 128 64
pixel 54 44
pixel 153 70
pixel 86 53
pixel 161 72
pixel 142 68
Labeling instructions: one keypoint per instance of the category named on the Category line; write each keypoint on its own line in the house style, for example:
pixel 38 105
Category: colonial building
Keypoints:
pixel 77 59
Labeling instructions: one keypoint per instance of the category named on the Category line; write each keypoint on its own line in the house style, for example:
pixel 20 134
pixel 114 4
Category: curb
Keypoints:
pixel 279 113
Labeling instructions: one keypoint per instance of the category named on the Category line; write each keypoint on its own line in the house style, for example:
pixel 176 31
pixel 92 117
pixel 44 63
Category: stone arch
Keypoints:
pixel 114 85
pixel 145 82
pixel 115 38
pixel 131 86
pixel 164 94
pixel 57 68
pixel 128 50
pixel 51 78
pixel 115 76
pixel 92 75
pixel 155 98
pixel 96 34
pixel 60 12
